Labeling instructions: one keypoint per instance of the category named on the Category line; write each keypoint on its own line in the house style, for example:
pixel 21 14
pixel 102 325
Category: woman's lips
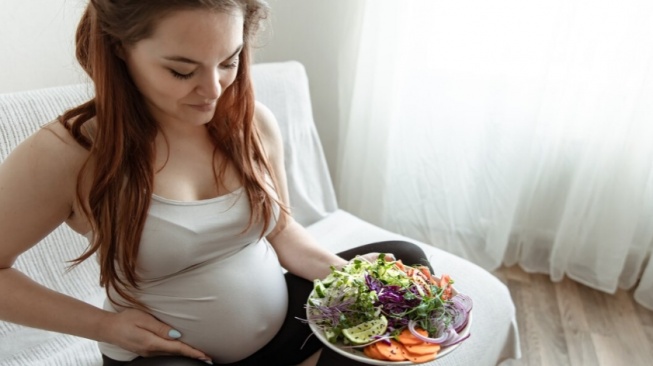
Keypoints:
pixel 203 107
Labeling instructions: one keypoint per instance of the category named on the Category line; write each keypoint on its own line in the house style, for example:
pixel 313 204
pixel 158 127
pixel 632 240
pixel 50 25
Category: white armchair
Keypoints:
pixel 283 87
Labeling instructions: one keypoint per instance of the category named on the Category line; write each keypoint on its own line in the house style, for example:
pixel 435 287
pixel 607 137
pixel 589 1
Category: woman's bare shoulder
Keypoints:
pixel 49 161
pixel 54 140
pixel 50 154
pixel 268 128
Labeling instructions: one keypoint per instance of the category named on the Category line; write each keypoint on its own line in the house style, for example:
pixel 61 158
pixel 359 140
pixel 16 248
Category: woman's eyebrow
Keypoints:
pixel 238 49
pixel 190 61
pixel 181 59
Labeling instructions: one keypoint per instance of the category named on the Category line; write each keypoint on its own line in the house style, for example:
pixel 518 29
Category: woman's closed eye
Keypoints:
pixel 182 76
pixel 231 65
pixel 186 76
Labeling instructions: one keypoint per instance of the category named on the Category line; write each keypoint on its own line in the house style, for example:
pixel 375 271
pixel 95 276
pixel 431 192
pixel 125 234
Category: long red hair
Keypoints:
pixel 121 147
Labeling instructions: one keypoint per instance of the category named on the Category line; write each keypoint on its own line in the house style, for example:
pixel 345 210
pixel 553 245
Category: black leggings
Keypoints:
pixel 294 343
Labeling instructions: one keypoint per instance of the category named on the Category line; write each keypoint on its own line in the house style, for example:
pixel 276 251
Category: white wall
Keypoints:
pixel 323 36
pixel 37 50
pixel 37 43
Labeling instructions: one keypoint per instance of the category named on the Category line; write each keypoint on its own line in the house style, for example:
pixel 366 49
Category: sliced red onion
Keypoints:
pixel 464 300
pixel 444 337
pixel 452 334
pixel 455 340
pixel 459 315
pixel 462 325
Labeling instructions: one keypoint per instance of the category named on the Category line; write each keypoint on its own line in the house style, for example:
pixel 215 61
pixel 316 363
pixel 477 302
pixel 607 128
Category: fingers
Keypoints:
pixel 146 336
pixel 168 342
pixel 161 346
pixel 161 329
pixel 182 349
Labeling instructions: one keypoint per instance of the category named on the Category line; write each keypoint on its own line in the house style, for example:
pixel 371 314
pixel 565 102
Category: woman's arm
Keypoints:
pixel 301 254
pixel 37 191
pixel 38 183
pixel 298 251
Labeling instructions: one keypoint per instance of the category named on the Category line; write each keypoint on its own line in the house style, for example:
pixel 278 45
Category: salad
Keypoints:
pixel 393 311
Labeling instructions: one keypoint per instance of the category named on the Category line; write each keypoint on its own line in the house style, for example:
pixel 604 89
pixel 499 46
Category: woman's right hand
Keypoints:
pixel 141 333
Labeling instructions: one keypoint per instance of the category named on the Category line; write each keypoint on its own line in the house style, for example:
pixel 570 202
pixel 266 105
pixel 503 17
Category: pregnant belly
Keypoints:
pixel 228 309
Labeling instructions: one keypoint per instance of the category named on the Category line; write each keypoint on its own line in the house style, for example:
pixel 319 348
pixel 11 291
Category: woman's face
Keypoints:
pixel 187 63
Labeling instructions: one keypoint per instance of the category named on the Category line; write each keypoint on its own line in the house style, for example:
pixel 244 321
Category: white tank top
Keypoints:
pixel 223 289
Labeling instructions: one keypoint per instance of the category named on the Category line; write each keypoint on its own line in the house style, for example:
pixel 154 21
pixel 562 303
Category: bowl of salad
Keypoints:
pixel 385 312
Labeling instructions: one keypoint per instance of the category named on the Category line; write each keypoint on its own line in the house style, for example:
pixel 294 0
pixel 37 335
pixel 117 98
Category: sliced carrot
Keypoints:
pixel 406 337
pixel 400 265
pixel 446 295
pixel 367 351
pixel 445 285
pixel 371 352
pixel 423 348
pixel 414 358
pixel 444 281
pixel 393 351
pixel 376 353
pixel 425 271
pixel 429 276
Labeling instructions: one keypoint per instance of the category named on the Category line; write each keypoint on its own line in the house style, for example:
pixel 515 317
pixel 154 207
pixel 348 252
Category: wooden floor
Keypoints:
pixel 567 323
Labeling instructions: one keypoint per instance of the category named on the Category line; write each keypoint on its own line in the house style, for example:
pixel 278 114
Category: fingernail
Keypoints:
pixel 206 360
pixel 174 334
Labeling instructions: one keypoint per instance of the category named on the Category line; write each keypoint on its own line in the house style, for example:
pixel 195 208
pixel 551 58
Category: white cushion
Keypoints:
pixel 283 87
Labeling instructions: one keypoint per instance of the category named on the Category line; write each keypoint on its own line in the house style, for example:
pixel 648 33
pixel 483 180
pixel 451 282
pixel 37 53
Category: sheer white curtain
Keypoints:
pixel 509 131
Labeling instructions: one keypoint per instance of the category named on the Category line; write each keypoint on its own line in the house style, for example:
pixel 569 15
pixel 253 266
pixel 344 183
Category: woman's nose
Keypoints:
pixel 210 87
